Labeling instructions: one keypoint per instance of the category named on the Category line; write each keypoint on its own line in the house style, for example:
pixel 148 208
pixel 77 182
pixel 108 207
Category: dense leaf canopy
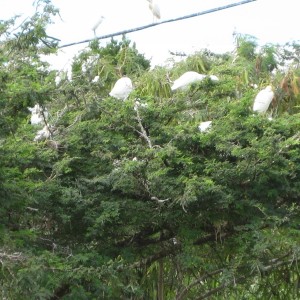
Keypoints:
pixel 129 199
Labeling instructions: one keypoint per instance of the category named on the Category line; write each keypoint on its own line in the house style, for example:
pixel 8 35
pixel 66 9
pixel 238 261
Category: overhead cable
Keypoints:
pixel 159 23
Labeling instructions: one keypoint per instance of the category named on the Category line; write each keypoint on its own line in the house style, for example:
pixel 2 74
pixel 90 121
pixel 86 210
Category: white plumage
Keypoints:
pixel 42 134
pixel 213 77
pixel 263 100
pixel 96 78
pixel 97 24
pixel 186 79
pixel 37 114
pixel 122 88
pixel 154 9
pixel 204 126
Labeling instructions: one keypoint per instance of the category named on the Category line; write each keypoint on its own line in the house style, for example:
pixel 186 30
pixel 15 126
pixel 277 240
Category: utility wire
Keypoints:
pixel 159 23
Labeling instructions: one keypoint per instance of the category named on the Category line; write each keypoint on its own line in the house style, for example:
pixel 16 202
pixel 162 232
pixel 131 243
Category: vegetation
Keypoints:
pixel 128 201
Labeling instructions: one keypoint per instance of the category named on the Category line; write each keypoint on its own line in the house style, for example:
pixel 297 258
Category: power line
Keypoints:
pixel 159 23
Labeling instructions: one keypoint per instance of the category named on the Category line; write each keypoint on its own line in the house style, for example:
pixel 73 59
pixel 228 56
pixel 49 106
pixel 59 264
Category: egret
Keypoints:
pixel 96 78
pixel 154 9
pixel 186 79
pixel 213 77
pixel 204 126
pixel 37 114
pixel 97 24
pixel 42 134
pixel 57 80
pixel 122 88
pixel 263 100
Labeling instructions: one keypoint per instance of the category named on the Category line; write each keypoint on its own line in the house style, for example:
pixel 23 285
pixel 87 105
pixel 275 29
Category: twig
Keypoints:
pixel 159 200
pixel 143 132
pixel 32 208
pixel 183 293
pixel 16 256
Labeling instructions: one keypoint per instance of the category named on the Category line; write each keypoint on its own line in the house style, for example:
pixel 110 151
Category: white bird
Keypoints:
pixel 154 9
pixel 57 80
pixel 96 78
pixel 42 134
pixel 122 88
pixel 204 126
pixel 37 114
pixel 97 24
pixel 263 100
pixel 213 77
pixel 186 79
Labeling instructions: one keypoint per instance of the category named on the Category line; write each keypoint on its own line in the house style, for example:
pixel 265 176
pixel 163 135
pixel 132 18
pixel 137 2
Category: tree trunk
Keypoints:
pixel 160 287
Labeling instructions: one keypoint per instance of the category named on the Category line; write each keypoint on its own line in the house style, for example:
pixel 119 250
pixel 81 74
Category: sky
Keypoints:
pixel 270 21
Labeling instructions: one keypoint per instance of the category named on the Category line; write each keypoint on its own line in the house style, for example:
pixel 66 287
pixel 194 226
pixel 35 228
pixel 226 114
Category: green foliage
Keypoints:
pixel 246 46
pixel 127 199
pixel 25 78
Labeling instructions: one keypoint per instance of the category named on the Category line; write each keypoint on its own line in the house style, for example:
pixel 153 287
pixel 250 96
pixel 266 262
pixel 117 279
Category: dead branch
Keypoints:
pixel 16 256
pixel 143 132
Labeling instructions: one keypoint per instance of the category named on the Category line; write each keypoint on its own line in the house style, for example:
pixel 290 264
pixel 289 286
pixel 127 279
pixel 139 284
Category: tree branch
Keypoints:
pixel 171 250
pixel 213 291
pixel 16 256
pixel 197 281
pixel 143 238
pixel 143 132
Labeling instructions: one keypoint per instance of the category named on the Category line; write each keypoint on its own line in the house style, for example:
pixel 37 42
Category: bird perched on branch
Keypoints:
pixel 204 126
pixel 122 88
pixel 38 114
pixel 186 79
pixel 42 134
pixel 154 9
pixel 263 100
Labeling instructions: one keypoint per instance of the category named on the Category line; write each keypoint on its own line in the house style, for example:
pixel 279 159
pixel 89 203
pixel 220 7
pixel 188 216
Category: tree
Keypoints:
pixel 128 199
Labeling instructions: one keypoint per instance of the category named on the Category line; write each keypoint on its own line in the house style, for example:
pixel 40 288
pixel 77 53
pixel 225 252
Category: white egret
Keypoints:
pixel 37 114
pixel 263 100
pixel 96 78
pixel 186 79
pixel 122 88
pixel 154 9
pixel 42 134
pixel 213 77
pixel 97 24
pixel 57 80
pixel 204 126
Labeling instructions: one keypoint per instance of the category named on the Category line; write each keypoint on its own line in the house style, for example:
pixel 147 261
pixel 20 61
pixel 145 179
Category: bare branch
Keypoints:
pixel 32 208
pixel 16 256
pixel 183 293
pixel 159 200
pixel 213 291
pixel 143 132
pixel 161 254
